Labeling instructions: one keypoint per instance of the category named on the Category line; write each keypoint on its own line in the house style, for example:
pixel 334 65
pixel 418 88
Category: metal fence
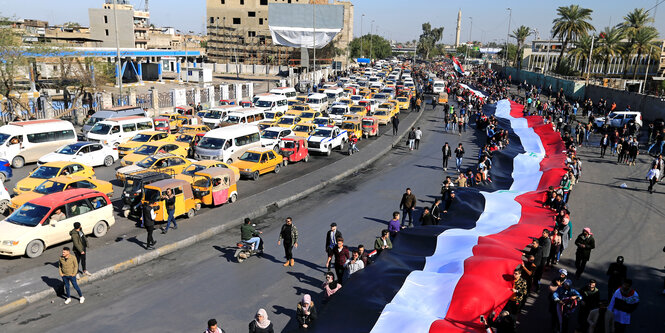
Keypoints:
pixel 218 93
pixel 165 99
pixel 189 96
pixel 120 100
pixel 205 98
pixel 144 100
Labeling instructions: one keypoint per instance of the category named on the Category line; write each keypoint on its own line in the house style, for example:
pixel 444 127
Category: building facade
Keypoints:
pixel 132 25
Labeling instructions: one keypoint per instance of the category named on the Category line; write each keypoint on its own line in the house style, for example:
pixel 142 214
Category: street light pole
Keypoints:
pixel 588 62
pixel 644 86
pixel 314 37
pixel 510 16
pixel 371 27
pixel 361 35
pixel 118 66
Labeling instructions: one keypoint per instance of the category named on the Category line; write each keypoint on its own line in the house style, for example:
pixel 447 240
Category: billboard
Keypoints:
pixel 304 25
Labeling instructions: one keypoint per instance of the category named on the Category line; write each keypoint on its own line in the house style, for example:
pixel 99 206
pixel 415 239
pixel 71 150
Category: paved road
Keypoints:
pixel 124 228
pixel 182 290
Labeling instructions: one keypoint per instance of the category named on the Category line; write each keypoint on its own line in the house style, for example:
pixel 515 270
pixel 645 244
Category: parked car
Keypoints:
pixel 167 163
pixel 147 149
pixel 5 170
pixel 619 118
pixel 88 153
pixel 51 170
pixel 142 138
pixel 255 162
pixel 325 139
pixel 59 184
pixel 36 225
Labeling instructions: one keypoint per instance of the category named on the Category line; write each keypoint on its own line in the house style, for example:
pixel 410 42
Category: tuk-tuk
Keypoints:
pixel 132 193
pixel 443 98
pixel 370 126
pixel 190 120
pixel 184 110
pixel 353 126
pixel 162 124
pixel 215 186
pixel 294 149
pixel 185 203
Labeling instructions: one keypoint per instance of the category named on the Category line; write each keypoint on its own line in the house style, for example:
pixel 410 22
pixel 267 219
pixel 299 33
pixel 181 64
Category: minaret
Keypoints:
pixel 459 26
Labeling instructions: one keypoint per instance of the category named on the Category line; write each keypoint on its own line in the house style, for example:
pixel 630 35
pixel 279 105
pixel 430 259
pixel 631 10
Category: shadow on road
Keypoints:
pixel 303 278
pixel 56 284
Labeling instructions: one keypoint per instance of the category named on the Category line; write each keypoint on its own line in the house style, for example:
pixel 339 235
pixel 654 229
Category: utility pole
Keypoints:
pixel 361 36
pixel 314 36
pixel 466 56
pixel 644 86
pixel 510 16
pixel 118 66
pixel 371 27
pixel 588 62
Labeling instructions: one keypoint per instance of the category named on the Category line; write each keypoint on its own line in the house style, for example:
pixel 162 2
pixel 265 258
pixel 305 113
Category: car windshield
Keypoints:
pixel 192 169
pixel 264 104
pixel 69 149
pixel 358 109
pixel 301 128
pixel 211 143
pixel 331 95
pixel 612 115
pixel 286 121
pixel 338 111
pixel 151 195
pixel 270 115
pixel 322 132
pixel 93 120
pixel 146 150
pixel 385 106
pixel 161 123
pixel 402 99
pixel 131 185
pixel 141 137
pixel 4 137
pixel 49 187
pixel 289 144
pixel 269 134
pixel 356 98
pixel 184 138
pixel 213 115
pixel 147 162
pixel 29 215
pixel 45 172
pixel 367 123
pixel 347 126
pixel 380 96
pixel 233 119
pixel 313 101
pixel 250 157
pixel 381 113
pixel 101 129
pixel 299 108
pixel 308 115
pixel 321 121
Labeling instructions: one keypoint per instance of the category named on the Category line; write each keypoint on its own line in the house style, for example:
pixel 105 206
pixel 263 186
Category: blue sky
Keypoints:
pixel 396 19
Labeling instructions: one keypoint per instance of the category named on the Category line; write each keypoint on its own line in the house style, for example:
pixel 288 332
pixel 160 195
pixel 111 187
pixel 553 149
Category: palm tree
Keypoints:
pixel 572 23
pixel 582 50
pixel 609 45
pixel 520 34
pixel 643 44
pixel 632 22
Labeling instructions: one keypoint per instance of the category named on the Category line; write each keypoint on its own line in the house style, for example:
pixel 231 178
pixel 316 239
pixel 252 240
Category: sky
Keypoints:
pixel 394 19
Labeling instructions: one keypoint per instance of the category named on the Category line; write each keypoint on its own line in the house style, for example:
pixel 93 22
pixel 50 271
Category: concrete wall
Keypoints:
pixel 652 107
pixel 98 27
pixel 247 69
pixel 572 89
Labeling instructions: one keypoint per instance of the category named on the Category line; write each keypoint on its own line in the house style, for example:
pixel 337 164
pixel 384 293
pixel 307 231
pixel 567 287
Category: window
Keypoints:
pixel 175 161
pixel 251 14
pixel 223 2
pixel 212 20
pixel 85 150
pixel 78 208
pixel 129 127
pixel 263 2
pixel 95 147
pixel 146 125
pixel 251 33
pixel 98 202
pixel 242 2
pixel 51 136
pixel 261 20
pixel 81 184
pixel 177 190
pixel 115 129
pixel 106 31
pixel 236 20
pixel 106 19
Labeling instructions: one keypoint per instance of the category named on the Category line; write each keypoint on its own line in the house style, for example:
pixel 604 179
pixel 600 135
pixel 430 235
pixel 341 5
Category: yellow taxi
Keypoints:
pixel 59 184
pixel 193 129
pixel 188 173
pixel 364 92
pixel 300 108
pixel 395 103
pixel 359 110
pixel 301 99
pixel 403 103
pixel 304 130
pixel 273 115
pixel 345 101
pixel 308 116
pixel 289 121
pixel 175 148
pixel 384 113
pixel 51 170
pixel 166 163
pixel 256 162
pixel 265 124
pixel 142 138
pixel 174 121
pixel 353 126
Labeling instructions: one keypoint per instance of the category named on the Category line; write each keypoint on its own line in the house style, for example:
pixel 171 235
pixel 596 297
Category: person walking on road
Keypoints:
pixel 394 226
pixel 213 327
pixel 590 300
pixel 412 138
pixel 169 199
pixel 383 242
pixel 436 211
pixel 288 234
pixel 306 312
pixel 616 273
pixel 68 268
pixel 585 243
pixel 419 135
pixel 600 320
pixel 652 177
pixel 624 302
pixel 407 205
pixel 353 264
pixel 395 121
pixel 459 154
pixel 340 254
pixel 446 152
pixel 80 245
pixel 331 237
pixel 249 234
pixel 604 143
pixel 149 224
pixel 261 324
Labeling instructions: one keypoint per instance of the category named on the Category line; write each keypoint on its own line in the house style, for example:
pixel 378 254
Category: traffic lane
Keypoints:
pixel 208 283
pixel 125 228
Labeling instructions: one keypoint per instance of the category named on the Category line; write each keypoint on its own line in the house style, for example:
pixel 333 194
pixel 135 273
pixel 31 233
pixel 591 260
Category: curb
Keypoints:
pixel 209 233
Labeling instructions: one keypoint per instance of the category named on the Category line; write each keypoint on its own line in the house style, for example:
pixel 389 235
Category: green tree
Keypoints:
pixel 633 22
pixel 582 50
pixel 572 23
pixel 428 39
pixel 14 65
pixel 380 47
pixel 520 34
pixel 609 45
pixel 643 44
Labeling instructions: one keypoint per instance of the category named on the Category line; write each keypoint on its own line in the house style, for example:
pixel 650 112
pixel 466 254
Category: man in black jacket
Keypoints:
pixel 149 224
pixel 604 142
pixel 395 122
pixel 585 243
pixel 331 237
pixel 436 211
pixel 544 243
pixel 427 218
pixel 446 152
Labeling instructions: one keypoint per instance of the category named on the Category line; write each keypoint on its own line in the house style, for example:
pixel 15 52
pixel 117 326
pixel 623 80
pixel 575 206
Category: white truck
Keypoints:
pixel 325 139
pixel 337 112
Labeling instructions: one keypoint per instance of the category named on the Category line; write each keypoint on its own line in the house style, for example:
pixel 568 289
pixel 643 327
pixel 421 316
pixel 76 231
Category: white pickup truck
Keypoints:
pixel 325 139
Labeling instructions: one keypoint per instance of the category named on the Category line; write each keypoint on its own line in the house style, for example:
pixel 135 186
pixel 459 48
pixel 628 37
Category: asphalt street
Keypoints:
pixel 180 291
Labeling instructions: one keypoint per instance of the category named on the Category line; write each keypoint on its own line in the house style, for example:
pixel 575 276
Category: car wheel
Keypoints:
pixel 277 168
pixel 125 213
pixel 341 146
pixel 100 229
pixel 306 159
pixel 255 175
pixel 18 162
pixel 191 213
pixel 3 177
pixel 285 162
pixel 4 205
pixel 329 151
pixel 229 161
pixel 276 149
pixel 34 249
pixel 233 198
pixel 108 161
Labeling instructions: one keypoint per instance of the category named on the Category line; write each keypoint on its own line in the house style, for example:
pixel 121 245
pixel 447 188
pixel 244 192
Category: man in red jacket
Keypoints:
pixel 340 254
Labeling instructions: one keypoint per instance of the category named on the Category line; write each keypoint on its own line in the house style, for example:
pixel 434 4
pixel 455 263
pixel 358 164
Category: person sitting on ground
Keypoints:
pixel 306 312
pixel 331 285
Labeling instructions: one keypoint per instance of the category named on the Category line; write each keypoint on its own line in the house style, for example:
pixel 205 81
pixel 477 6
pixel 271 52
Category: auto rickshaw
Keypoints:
pixel 185 203
pixel 162 124
pixel 215 186
pixel 370 126
pixel 294 149
pixel 353 126
pixel 184 110
pixel 132 193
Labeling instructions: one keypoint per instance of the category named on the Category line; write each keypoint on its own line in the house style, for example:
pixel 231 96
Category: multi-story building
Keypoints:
pixel 238 31
pixel 132 25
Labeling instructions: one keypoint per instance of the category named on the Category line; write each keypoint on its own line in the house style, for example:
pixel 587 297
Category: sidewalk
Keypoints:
pixel 117 255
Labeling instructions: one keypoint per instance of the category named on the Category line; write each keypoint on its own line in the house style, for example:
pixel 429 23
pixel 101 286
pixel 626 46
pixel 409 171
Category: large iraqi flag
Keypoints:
pixel 442 278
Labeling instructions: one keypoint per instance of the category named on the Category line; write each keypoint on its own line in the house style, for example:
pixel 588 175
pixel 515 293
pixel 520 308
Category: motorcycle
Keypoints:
pixel 245 251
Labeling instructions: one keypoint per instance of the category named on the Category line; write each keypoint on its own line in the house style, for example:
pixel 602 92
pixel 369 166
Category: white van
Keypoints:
pixel 228 143
pixel 334 94
pixel 288 92
pixel 243 116
pixel 438 86
pixel 118 130
pixel 214 116
pixel 318 102
pixel 272 102
pixel 26 141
